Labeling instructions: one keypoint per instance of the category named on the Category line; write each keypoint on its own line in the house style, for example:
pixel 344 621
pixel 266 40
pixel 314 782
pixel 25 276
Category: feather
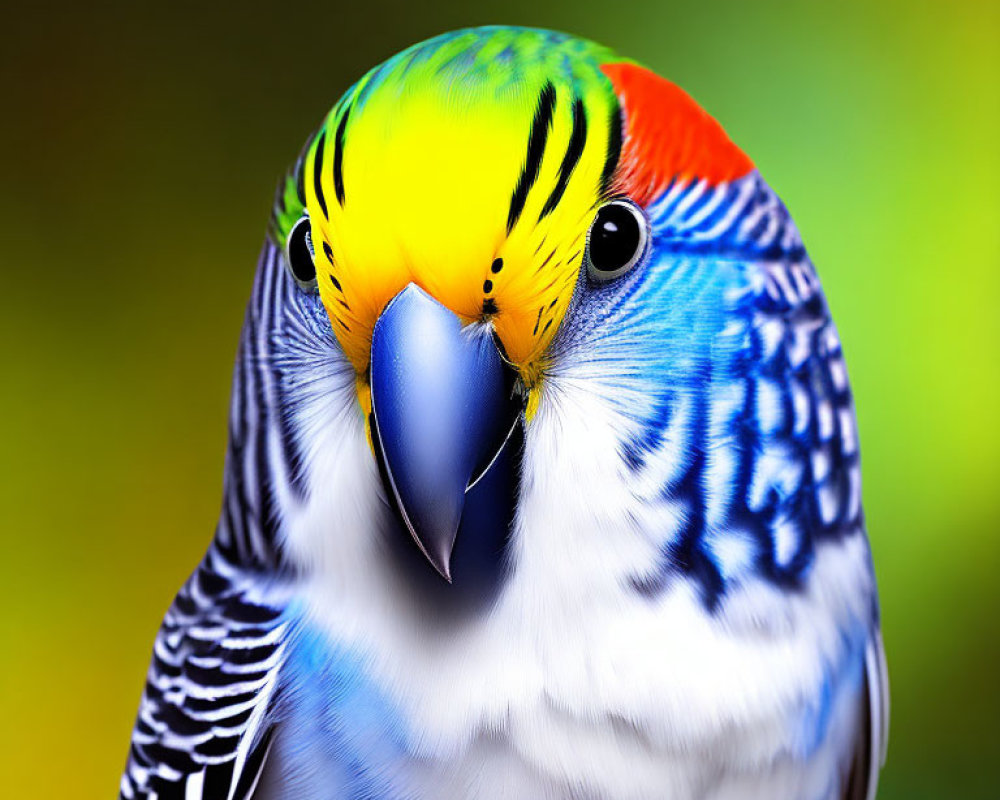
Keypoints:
pixel 203 731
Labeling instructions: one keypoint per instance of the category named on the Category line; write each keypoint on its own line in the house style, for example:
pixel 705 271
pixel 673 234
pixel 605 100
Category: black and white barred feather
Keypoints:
pixel 203 726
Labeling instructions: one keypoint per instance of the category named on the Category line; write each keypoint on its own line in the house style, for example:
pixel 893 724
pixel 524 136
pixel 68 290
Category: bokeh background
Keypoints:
pixel 140 146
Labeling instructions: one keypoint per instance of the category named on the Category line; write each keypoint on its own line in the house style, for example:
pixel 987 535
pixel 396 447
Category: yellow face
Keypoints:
pixel 483 199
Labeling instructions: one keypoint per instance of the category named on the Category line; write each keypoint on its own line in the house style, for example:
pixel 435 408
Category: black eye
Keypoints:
pixel 299 254
pixel 617 240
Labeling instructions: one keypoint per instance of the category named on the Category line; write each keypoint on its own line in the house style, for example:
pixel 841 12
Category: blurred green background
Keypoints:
pixel 140 146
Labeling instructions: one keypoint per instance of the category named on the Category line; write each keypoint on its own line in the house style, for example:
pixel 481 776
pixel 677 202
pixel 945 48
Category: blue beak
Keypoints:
pixel 443 406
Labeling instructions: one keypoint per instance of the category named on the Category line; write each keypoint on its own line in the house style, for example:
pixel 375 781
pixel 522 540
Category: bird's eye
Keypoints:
pixel 617 240
pixel 299 254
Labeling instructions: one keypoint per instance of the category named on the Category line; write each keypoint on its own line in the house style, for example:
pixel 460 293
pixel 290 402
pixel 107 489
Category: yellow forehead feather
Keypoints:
pixel 476 182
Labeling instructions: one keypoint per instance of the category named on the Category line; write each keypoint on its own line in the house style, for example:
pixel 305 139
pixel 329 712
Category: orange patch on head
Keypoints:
pixel 667 136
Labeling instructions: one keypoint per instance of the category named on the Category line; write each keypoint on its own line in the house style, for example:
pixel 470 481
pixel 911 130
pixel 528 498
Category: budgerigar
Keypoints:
pixel 542 478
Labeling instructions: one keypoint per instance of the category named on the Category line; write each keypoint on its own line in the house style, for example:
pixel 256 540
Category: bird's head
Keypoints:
pixel 513 228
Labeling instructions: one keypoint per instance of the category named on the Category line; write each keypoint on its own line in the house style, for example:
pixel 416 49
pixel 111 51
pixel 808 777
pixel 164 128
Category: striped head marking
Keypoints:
pixel 472 165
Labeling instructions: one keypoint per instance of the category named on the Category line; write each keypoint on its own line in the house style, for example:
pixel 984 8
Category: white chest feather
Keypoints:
pixel 573 684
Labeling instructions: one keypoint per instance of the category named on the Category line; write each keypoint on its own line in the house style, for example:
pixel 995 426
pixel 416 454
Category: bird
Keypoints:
pixel 542 476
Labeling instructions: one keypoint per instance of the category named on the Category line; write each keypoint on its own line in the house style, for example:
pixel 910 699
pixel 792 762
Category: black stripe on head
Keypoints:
pixel 338 158
pixel 577 139
pixel 614 148
pixel 536 149
pixel 318 174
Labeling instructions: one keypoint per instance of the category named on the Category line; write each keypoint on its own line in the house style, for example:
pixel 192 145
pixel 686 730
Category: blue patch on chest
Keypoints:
pixel 342 738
